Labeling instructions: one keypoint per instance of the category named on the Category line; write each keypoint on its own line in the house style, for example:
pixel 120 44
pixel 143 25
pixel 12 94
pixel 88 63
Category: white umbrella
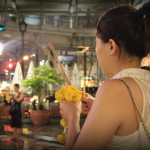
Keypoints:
pixel 47 62
pixel 75 80
pixel 30 72
pixel 18 76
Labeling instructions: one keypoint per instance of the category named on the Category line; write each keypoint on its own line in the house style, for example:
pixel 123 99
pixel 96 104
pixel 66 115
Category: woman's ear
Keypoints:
pixel 113 47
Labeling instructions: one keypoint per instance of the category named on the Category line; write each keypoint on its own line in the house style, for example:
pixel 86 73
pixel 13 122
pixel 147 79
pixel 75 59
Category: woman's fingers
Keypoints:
pixel 85 108
pixel 67 108
pixel 84 105
pixel 85 112
pixel 85 99
pixel 70 109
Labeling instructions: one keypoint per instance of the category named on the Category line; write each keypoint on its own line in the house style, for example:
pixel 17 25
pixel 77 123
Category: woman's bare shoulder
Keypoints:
pixel 113 94
pixel 114 86
pixel 107 110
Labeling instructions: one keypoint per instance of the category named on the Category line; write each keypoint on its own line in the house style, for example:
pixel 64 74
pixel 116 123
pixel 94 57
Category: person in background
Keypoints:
pixel 16 117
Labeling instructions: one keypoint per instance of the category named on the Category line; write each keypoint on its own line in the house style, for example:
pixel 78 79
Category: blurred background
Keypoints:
pixel 68 24
pixel 26 26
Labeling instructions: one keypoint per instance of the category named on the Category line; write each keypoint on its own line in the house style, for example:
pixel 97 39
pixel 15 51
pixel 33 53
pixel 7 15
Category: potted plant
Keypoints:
pixel 44 75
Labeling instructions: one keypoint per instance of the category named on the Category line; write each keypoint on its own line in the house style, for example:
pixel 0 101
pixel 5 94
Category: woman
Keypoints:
pixel 123 39
pixel 16 116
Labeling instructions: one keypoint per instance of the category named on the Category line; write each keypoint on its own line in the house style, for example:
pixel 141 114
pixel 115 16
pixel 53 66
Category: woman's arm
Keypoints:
pixel 103 120
pixel 70 112
pixel 73 132
pixel 18 99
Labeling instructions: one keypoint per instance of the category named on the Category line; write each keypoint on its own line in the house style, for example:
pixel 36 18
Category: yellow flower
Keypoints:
pixel 62 138
pixel 68 93
pixel 8 96
pixel 59 96
pixel 63 123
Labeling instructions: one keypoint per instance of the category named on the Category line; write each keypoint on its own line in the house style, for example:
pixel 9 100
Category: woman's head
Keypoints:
pixel 16 87
pixel 123 33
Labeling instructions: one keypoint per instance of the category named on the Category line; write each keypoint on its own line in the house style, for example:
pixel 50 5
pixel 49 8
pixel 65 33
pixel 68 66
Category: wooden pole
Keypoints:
pixel 84 85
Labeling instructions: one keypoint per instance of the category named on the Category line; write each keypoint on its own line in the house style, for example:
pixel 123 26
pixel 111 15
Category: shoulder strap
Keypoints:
pixel 137 110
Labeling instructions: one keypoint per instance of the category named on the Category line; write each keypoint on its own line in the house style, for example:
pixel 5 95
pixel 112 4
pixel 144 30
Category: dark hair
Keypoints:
pixel 128 27
pixel 17 85
pixel 146 68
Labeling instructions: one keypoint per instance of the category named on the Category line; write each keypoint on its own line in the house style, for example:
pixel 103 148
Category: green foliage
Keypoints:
pixel 43 75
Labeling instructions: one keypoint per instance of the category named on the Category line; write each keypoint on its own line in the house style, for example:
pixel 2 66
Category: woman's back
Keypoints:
pixel 137 139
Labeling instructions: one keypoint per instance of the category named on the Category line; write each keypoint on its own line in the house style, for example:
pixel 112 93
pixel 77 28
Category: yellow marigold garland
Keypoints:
pixel 68 93
pixel 63 123
pixel 62 138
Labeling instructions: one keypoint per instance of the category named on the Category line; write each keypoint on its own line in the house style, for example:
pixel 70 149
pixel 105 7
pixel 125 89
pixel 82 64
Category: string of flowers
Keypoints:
pixel 68 92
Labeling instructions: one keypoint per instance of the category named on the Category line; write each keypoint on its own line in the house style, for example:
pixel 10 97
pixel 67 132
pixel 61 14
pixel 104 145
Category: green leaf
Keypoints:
pixel 43 75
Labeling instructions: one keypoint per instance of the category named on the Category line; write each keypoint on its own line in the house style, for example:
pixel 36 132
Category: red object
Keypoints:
pixel 8 128
pixel 26 113
pixel 10 65
pixel 27 99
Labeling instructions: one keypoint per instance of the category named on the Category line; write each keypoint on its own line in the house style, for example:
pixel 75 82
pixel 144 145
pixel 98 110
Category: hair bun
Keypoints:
pixel 145 9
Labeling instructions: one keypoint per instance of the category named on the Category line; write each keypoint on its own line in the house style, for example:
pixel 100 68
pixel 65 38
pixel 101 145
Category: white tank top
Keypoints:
pixel 138 139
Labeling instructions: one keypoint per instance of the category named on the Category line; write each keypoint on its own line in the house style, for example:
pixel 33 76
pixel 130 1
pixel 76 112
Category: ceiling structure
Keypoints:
pixel 37 9
pixel 58 6
pixel 66 23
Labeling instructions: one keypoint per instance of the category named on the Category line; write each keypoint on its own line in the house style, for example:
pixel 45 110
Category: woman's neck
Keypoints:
pixel 124 65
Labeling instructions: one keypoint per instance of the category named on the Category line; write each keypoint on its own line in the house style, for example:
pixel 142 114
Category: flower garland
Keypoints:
pixel 68 93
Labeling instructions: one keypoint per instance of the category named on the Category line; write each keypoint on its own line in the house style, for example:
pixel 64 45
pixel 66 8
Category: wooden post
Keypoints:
pixel 84 85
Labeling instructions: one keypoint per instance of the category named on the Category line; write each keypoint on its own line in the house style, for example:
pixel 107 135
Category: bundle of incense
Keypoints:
pixel 51 53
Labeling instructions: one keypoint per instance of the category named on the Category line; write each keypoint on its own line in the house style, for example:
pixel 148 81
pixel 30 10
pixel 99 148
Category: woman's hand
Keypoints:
pixel 86 104
pixel 70 111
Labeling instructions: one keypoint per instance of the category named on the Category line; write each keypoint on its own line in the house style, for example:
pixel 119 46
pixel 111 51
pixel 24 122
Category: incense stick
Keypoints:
pixel 51 58
pixel 59 63
pixel 50 51
pixel 54 62
pixel 84 86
